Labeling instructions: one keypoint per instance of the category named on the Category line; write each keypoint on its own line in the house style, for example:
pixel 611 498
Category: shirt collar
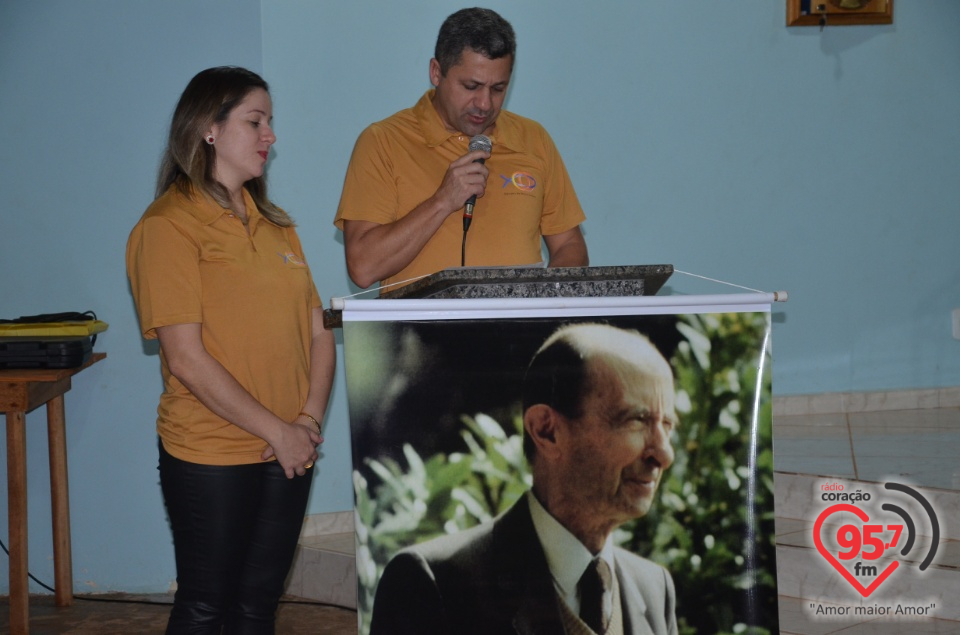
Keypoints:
pixel 566 556
pixel 208 210
pixel 505 132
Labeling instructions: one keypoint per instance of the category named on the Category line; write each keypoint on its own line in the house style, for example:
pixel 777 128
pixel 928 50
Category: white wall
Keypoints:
pixel 704 135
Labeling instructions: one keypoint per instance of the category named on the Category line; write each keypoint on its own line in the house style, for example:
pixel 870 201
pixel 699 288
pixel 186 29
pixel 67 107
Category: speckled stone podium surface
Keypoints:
pixel 528 282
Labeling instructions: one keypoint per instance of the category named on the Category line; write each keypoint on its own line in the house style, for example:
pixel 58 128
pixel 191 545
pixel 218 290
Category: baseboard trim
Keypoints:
pixel 327 523
pixel 847 402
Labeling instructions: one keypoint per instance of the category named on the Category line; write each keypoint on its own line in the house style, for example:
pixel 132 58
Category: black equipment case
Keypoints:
pixel 45 352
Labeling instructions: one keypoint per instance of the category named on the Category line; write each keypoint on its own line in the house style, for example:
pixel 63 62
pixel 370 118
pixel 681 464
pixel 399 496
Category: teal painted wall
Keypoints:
pixel 718 141
pixel 87 90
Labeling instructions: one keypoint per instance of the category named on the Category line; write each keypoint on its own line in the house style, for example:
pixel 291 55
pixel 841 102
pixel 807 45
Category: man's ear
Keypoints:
pixel 435 74
pixel 542 423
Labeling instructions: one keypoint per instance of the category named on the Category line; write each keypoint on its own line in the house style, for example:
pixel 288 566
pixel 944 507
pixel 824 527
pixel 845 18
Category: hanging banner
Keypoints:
pixel 498 445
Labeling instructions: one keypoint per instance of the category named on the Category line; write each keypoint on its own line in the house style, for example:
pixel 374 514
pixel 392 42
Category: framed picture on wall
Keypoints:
pixel 838 12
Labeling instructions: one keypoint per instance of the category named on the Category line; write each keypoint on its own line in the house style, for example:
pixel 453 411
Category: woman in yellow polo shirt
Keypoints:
pixel 219 277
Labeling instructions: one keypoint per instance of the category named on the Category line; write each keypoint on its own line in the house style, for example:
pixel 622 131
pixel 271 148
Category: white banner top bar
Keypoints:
pixel 380 310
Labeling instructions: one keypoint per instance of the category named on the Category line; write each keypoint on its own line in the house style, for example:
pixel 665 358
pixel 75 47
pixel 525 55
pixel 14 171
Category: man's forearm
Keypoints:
pixel 568 249
pixel 375 251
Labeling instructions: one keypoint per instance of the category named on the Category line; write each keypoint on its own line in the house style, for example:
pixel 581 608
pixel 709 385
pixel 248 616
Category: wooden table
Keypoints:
pixel 20 392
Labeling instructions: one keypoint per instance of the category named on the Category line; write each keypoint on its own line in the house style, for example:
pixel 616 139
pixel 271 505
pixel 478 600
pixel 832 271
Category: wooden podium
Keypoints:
pixel 20 392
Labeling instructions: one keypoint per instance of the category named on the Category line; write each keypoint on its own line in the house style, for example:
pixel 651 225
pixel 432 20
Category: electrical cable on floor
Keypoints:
pixel 89 598
pixel 30 575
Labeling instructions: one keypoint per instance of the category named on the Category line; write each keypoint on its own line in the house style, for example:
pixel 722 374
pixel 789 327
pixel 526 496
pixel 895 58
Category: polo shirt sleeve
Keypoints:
pixel 163 264
pixel 369 188
pixel 561 207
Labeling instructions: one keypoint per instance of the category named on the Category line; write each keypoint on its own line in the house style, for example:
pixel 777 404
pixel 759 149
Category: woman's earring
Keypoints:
pixel 210 139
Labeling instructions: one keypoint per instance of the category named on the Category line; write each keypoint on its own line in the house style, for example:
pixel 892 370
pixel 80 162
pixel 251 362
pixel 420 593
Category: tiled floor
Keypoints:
pixel 862 451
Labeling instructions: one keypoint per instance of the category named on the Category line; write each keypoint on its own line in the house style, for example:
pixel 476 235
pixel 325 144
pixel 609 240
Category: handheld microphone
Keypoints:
pixel 477 142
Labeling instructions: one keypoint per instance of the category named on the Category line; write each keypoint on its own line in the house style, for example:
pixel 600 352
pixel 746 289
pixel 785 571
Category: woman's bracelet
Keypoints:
pixel 312 418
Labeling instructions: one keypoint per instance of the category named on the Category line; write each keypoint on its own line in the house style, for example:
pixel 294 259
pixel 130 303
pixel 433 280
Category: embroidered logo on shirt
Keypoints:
pixel 520 180
pixel 291 258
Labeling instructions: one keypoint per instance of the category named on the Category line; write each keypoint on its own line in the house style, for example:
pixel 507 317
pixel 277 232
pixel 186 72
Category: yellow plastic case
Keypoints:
pixel 53 329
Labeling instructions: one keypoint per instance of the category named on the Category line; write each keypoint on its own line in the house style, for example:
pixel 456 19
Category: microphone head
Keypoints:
pixel 480 142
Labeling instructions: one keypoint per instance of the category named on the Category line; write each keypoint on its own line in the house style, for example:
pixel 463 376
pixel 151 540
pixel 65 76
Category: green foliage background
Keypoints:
pixel 713 527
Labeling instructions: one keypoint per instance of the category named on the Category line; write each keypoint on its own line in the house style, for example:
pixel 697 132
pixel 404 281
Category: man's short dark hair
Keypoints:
pixel 480 30
pixel 556 377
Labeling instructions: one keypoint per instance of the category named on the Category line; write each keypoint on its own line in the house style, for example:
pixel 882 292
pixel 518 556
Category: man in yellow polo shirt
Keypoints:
pixel 411 173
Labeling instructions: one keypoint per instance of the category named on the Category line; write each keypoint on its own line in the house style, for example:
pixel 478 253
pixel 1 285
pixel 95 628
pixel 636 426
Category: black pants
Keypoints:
pixel 235 530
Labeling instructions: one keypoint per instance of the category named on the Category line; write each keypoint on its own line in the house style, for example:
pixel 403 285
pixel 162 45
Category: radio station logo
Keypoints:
pixel 870 544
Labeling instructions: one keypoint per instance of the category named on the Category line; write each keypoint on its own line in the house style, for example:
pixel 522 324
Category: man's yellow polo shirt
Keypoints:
pixel 190 260
pixel 400 162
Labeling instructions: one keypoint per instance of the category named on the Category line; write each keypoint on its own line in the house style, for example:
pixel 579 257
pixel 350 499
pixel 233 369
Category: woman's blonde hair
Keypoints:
pixel 189 162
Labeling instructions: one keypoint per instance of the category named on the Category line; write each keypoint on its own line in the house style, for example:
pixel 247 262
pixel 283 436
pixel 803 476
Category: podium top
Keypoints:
pixel 528 282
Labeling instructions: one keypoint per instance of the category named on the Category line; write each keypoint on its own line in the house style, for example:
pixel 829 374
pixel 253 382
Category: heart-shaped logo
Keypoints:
pixel 855 538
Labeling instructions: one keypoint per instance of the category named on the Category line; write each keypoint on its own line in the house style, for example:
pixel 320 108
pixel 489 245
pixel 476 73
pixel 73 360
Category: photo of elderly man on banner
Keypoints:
pixel 608 474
